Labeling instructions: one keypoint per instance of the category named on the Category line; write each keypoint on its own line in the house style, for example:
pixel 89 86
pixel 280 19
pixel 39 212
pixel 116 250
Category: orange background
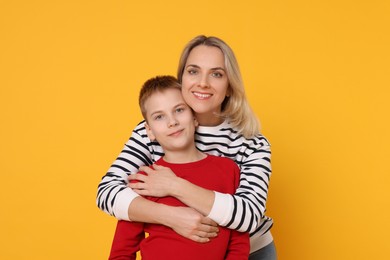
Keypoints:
pixel 316 73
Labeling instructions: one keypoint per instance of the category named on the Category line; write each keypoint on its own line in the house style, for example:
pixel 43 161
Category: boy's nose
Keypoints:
pixel 173 122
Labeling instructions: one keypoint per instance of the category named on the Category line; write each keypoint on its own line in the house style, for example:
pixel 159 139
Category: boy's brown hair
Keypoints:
pixel 153 85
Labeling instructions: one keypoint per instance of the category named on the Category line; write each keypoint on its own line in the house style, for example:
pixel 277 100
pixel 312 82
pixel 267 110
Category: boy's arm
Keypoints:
pixel 127 239
pixel 238 248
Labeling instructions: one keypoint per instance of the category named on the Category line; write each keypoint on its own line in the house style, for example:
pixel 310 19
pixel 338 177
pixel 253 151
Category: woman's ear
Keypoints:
pixel 229 92
pixel 149 132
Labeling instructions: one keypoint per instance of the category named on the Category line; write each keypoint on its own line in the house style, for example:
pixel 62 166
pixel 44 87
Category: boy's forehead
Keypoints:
pixel 164 99
pixel 173 93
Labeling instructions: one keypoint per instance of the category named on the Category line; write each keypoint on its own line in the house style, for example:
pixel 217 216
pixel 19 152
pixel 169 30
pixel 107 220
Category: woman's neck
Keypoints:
pixel 209 120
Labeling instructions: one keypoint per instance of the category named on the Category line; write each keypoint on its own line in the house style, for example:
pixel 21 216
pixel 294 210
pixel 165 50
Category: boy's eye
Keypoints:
pixel 158 117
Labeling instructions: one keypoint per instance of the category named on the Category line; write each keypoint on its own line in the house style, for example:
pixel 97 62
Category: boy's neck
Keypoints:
pixel 179 157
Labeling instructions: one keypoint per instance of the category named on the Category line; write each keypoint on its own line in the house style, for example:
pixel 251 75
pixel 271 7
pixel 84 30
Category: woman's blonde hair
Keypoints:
pixel 235 107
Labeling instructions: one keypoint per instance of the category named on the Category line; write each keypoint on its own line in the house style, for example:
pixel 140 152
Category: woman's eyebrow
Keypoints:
pixel 192 65
pixel 218 68
pixel 198 67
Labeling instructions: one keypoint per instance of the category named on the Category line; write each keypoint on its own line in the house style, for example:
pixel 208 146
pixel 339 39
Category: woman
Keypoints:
pixel 213 88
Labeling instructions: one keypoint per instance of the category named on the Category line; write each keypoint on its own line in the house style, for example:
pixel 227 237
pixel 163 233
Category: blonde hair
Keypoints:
pixel 153 85
pixel 235 107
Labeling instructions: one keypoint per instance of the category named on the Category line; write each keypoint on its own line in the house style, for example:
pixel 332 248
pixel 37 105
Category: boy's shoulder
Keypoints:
pixel 222 160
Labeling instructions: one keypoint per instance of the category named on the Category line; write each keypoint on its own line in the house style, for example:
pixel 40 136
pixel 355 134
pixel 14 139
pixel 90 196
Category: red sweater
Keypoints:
pixel 213 173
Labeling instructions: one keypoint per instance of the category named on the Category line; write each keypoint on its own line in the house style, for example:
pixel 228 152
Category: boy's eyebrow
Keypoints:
pixel 198 67
pixel 155 112
pixel 160 111
pixel 180 104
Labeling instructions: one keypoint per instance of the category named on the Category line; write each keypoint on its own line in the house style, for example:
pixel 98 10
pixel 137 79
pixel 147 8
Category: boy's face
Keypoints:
pixel 170 120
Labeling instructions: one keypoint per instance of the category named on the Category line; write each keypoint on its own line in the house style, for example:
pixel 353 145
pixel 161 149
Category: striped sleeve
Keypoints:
pixel 245 210
pixel 113 195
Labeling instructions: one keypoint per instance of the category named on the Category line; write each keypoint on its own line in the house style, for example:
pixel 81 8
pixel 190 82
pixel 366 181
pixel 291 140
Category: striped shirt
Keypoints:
pixel 244 211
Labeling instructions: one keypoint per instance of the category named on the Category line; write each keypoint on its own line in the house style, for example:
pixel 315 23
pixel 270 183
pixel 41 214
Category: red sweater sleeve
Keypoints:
pixel 127 239
pixel 238 248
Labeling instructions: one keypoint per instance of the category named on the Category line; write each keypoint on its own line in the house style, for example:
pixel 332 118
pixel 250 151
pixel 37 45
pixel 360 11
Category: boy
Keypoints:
pixel 171 122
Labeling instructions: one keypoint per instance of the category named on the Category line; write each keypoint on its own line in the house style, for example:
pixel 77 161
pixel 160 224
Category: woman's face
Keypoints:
pixel 205 83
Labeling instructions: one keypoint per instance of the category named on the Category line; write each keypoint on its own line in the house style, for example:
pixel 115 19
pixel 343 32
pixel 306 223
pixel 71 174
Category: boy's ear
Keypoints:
pixel 149 132
pixel 196 123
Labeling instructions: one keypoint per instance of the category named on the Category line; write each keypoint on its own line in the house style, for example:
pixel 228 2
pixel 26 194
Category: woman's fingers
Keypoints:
pixel 146 169
pixel 203 236
pixel 210 234
pixel 208 228
pixel 189 223
pixel 209 222
pixel 136 177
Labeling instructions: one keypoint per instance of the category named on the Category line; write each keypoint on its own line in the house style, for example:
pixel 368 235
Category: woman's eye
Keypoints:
pixel 179 110
pixel 191 71
pixel 217 74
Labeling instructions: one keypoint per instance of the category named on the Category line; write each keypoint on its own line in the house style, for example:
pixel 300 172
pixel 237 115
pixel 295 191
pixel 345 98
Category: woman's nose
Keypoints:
pixel 203 82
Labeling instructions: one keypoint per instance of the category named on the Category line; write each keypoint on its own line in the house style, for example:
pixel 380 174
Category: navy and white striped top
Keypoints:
pixel 243 211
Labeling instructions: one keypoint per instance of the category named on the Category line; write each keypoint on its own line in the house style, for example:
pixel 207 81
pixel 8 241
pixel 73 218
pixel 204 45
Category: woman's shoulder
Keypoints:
pixel 227 131
pixel 139 133
pixel 140 127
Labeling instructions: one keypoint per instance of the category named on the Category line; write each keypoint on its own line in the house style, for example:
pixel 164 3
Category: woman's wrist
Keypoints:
pixel 193 196
pixel 177 188
pixel 147 211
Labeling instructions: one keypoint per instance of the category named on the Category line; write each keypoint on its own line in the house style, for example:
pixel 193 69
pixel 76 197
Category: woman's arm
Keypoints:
pixel 245 210
pixel 242 211
pixel 115 198
pixel 185 221
pixel 161 181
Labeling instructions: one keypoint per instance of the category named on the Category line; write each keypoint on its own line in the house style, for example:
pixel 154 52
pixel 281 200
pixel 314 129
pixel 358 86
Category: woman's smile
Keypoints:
pixel 201 95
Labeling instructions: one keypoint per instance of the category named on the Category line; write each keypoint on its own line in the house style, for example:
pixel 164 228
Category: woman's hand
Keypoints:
pixel 189 223
pixel 185 221
pixel 159 182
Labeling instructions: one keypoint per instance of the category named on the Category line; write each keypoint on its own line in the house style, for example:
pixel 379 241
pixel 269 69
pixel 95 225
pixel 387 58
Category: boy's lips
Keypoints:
pixel 176 133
